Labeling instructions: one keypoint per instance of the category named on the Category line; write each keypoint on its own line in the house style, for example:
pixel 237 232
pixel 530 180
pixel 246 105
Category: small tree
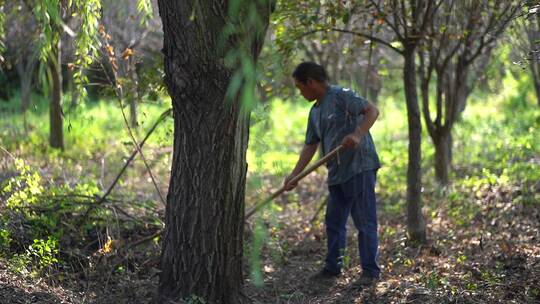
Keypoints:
pixel 49 14
pixel 456 50
pixel 136 34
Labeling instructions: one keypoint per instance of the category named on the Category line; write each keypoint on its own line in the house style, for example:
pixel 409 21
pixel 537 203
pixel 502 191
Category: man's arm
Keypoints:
pixel 305 157
pixel 352 140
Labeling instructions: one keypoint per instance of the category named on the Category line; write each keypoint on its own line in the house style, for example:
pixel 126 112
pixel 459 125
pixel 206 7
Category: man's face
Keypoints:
pixel 306 89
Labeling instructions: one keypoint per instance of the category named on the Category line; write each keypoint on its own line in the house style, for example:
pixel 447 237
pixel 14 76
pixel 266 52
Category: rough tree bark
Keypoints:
pixel 202 244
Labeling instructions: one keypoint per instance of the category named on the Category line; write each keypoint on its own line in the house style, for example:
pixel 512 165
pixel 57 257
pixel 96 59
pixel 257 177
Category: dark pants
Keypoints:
pixel 355 197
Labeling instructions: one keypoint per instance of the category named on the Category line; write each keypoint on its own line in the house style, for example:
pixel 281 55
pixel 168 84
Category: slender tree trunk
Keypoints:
pixel 25 76
pixel 26 90
pixel 25 72
pixel 535 71
pixel 443 155
pixel 203 240
pixel 56 138
pixel 367 76
pixel 533 32
pixel 72 89
pixel 133 94
pixel 415 219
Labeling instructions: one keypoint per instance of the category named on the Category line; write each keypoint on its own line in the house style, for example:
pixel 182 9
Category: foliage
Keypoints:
pixel 86 43
pixel 5 240
pixel 43 252
pixel 145 8
pixel 48 13
pixel 242 37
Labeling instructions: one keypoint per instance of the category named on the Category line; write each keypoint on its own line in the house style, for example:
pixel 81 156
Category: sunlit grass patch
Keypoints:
pixel 277 138
pixel 90 128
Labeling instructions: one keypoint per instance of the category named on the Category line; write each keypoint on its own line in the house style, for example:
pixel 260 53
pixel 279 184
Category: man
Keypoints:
pixel 340 117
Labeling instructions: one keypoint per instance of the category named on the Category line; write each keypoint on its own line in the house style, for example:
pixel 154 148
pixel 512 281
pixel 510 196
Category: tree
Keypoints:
pixel 533 37
pixel 20 48
pixel 50 14
pixel 454 54
pixel 207 74
pixel 134 39
pixel 525 36
pixel 318 31
pixel 408 20
pixel 400 26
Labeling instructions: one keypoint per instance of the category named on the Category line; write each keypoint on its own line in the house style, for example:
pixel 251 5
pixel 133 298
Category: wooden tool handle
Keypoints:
pixel 294 180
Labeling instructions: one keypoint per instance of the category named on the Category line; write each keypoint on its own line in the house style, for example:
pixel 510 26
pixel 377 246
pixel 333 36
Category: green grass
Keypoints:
pixel 277 136
pixel 91 128
pixel 495 143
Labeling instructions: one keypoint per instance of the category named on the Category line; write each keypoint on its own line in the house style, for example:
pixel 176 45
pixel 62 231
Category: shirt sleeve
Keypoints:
pixel 311 133
pixel 353 103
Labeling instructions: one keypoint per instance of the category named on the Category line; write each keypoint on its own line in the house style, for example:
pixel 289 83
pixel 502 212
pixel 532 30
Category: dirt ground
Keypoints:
pixel 494 258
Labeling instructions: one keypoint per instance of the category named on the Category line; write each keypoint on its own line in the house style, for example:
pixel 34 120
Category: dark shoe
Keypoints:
pixel 325 275
pixel 366 281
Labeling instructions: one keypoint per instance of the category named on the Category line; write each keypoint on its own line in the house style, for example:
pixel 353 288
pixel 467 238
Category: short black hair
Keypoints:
pixel 311 70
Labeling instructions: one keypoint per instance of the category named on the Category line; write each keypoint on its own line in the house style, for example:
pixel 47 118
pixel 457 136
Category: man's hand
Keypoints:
pixel 351 141
pixel 287 185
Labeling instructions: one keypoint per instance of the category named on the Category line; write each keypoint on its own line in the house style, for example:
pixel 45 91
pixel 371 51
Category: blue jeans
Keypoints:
pixel 355 197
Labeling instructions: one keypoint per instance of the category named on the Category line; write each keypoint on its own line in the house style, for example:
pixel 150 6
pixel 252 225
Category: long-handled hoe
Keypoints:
pixel 297 178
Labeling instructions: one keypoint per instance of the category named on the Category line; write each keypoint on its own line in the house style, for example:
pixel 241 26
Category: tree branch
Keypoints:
pixel 364 35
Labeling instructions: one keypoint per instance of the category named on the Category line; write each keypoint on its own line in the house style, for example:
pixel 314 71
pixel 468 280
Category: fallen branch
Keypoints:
pixel 143 240
pixel 138 147
pixel 128 161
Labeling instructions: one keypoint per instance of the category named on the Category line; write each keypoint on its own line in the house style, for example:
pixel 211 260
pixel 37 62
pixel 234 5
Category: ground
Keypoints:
pixel 483 229
pixel 495 258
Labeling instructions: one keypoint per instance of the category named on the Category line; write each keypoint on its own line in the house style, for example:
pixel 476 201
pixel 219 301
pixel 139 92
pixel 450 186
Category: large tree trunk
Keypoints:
pixel 203 244
pixel 415 220
pixel 56 138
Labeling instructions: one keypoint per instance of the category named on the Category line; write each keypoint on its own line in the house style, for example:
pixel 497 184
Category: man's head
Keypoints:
pixel 311 79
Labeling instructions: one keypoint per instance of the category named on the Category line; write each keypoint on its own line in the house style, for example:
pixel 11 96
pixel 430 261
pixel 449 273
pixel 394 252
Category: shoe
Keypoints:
pixel 366 280
pixel 325 275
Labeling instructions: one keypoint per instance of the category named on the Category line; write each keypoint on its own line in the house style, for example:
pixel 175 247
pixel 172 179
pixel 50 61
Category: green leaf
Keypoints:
pixel 346 17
